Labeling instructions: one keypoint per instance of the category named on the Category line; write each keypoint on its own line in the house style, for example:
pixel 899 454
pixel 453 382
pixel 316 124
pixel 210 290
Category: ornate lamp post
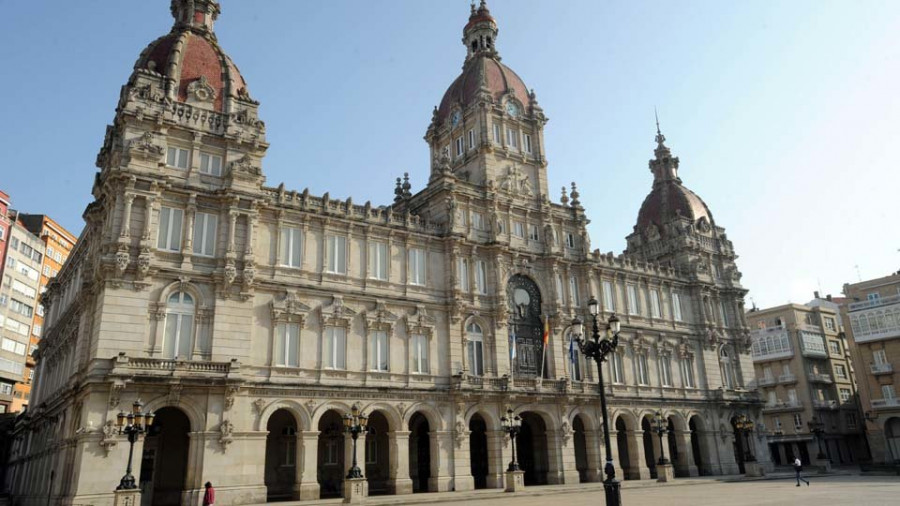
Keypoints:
pixel 597 348
pixel 818 428
pixel 744 427
pixel 354 424
pixel 661 428
pixel 133 424
pixel 512 424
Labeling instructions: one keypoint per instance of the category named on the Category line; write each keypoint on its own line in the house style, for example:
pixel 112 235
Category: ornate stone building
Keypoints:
pixel 251 317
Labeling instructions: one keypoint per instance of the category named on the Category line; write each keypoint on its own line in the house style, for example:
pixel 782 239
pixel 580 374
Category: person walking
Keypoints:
pixel 209 497
pixel 798 466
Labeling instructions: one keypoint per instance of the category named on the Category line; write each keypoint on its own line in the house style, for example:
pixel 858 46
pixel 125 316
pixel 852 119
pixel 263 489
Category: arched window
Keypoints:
pixel 179 337
pixel 475 339
pixel 727 368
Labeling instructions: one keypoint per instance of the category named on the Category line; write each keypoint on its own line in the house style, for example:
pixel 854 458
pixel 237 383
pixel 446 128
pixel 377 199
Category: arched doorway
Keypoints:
pixel 693 426
pixel 165 457
pixel 281 456
pixel 526 326
pixel 672 450
pixel 531 449
pixel 419 452
pixel 649 454
pixel 377 453
pixel 892 439
pixel 622 444
pixel 580 441
pixel 478 450
pixel 330 462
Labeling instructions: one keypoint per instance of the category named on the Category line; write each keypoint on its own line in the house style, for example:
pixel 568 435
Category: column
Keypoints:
pixel 307 483
pixel 148 217
pixel 685 463
pixel 187 245
pixel 124 227
pixel 232 224
pixel 617 461
pixel 441 458
pixel 462 463
pixel 638 460
pixel 561 457
pixel 595 458
pixel 399 480
pixel 499 455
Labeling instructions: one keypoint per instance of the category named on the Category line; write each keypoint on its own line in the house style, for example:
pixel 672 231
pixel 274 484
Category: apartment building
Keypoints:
pixel 803 372
pixel 4 228
pixel 872 315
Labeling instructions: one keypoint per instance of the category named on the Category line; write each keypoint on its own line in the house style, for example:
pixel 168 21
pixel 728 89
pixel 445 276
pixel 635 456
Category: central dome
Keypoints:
pixel 498 80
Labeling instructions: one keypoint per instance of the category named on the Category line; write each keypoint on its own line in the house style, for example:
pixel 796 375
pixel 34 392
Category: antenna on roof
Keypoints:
pixel 858 276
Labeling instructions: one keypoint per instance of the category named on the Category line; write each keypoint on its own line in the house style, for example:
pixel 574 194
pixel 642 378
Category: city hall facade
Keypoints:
pixel 251 318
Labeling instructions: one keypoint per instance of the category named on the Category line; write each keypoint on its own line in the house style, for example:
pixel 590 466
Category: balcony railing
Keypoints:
pixel 881 368
pixel 786 379
pixel 886 403
pixel 766 381
pixel 819 378
pixel 820 404
pixel 868 304
pixel 783 406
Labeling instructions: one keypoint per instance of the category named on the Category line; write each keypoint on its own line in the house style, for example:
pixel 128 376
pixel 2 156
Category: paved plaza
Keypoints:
pixel 832 490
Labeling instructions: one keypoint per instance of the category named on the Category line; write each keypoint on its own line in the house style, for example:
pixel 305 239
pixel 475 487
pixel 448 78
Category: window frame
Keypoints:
pixel 209 158
pixel 419 267
pixel 290 237
pixel 378 261
pixel 207 234
pixel 173 241
pixel 333 263
pixel 419 353
pixel 175 154
pixel 334 357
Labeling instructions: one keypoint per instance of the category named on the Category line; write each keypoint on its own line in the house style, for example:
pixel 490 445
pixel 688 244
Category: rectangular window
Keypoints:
pixel 5 389
pixel 559 288
pixel 879 356
pixel 519 229
pixel 634 306
pixel 687 370
pixel 723 314
pixel 834 347
pixel 47 271
pixel 459 146
pixel 533 232
pixel 570 239
pixel 778 424
pixel 792 395
pixel 475 348
pixel 496 133
pixel 481 277
pixel 418 344
pixel 845 394
pixel 378 351
pixel 337 254
pixel 291 244
pixel 618 368
pixel 169 238
pixel 211 164
pixel 851 420
pixel 887 392
pixel 873 297
pixel 609 301
pixel 205 234
pixel 665 368
pixel 840 372
pixel 462 271
pixel 417 266
pixel 378 260
pixel 21 308
pixel 334 354
pixel 23 289
pixel 287 344
pixel 478 221
pixel 772 399
pixel 654 304
pixel 798 421
pixel 643 371
pixel 512 138
pixel 471 139
pixel 573 291
pixel 829 323
pixel 527 140
pixel 179 333
pixel 676 307
pixel 177 157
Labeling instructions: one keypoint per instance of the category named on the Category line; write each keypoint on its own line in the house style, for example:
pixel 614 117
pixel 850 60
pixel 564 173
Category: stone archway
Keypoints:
pixel 419 452
pixel 165 458
pixel 531 449
pixel 331 454
pixel 581 455
pixel 622 446
pixel 377 454
pixel 281 456
pixel 478 450
pixel 526 326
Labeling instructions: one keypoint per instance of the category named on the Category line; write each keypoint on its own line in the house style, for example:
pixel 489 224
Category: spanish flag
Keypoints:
pixel 546 331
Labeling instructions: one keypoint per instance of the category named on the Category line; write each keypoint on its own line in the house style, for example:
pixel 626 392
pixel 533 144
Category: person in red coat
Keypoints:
pixel 209 497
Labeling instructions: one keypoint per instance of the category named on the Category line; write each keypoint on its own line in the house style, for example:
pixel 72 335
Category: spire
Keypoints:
pixel 199 15
pixel 664 166
pixel 480 33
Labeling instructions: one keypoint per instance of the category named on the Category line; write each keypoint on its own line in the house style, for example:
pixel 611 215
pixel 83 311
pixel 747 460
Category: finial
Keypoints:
pixel 564 198
pixel 398 191
pixel 575 195
pixel 660 138
pixel 472 7
pixel 406 186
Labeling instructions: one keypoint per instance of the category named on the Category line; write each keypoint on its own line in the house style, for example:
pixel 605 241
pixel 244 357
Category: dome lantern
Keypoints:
pixel 196 14
pixel 480 33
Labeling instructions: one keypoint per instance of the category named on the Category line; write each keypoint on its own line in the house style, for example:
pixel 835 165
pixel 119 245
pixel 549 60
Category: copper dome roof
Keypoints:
pixel 498 81
pixel 669 199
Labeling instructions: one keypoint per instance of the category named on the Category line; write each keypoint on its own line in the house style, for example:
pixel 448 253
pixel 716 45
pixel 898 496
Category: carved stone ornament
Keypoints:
pixel 230 393
pixel 226 429
pixel 565 431
pixel 200 91
pixel 230 272
pixel 289 309
pixel 143 148
pixel 712 338
pixel 460 434
pixel 515 182
pixel 175 393
pixel 259 404
pixel 244 168
pixel 122 261
pixel 108 438
pixel 143 264
pixel 249 274
pixel 336 313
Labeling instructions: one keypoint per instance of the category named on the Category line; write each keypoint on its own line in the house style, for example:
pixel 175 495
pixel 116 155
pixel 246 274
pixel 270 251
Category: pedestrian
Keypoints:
pixel 798 466
pixel 209 497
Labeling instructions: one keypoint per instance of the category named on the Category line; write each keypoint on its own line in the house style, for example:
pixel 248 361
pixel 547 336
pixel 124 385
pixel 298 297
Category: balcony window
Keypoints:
pixel 179 327
pixel 475 349
pixel 643 371
pixel 419 347
pixel 205 234
pixel 617 368
pixel 609 301
pixel 334 355
pixel 287 344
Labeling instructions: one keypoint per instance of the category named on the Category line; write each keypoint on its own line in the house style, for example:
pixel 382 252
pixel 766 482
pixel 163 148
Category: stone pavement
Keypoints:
pixel 832 490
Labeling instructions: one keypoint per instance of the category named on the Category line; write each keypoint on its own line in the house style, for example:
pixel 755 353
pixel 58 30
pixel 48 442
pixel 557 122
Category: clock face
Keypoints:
pixel 455 118
pixel 512 109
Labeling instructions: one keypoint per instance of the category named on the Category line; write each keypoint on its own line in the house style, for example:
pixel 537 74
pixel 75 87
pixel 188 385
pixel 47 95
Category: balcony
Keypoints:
pixel 781 407
pixel 787 379
pixel 766 381
pixel 869 304
pixel 885 403
pixel 875 320
pixel 881 369
pixel 771 343
pixel 819 404
pixel 819 378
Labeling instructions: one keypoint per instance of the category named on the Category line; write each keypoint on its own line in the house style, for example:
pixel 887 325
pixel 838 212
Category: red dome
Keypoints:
pixel 499 80
pixel 669 199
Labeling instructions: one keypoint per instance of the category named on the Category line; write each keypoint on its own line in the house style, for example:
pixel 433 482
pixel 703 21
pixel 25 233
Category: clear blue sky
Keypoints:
pixel 785 114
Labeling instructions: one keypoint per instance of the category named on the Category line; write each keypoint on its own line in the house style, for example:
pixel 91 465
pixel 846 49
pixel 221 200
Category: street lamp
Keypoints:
pixel 132 424
pixel 661 429
pixel 818 428
pixel 354 424
pixel 597 348
pixel 744 427
pixel 512 424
